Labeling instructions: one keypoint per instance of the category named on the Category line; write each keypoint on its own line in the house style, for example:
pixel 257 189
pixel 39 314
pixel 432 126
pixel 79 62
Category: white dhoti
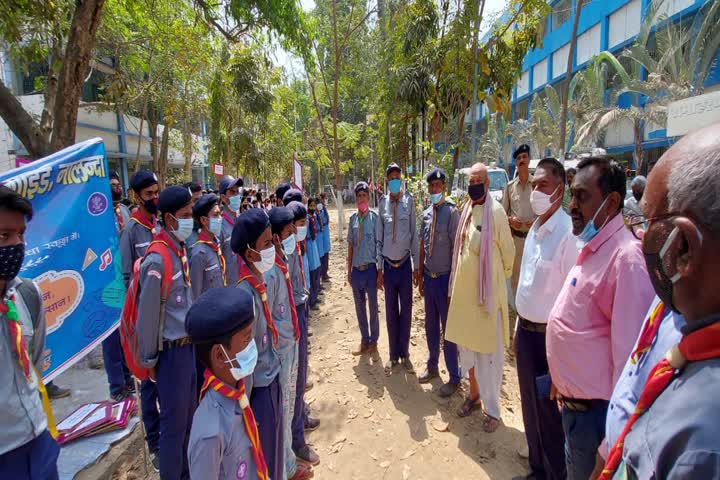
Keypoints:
pixel 488 371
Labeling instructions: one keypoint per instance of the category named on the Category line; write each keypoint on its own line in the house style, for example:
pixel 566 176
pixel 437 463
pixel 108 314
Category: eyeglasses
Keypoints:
pixel 639 224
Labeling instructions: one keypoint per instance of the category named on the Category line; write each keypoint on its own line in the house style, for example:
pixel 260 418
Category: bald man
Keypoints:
pixel 478 315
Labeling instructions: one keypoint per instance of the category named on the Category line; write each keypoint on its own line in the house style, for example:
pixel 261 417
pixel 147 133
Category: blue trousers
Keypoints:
pixel 266 403
pixel 398 307
pixel 314 285
pixel 117 373
pixel 436 312
pixel 584 431
pixel 324 265
pixel 177 392
pixel 364 287
pixel 300 413
pixel 542 419
pixel 36 460
pixel 150 414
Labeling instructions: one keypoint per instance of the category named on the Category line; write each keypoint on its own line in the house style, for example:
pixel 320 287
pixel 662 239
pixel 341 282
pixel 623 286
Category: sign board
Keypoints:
pixel 693 113
pixel 218 169
pixel 297 173
pixel 71 250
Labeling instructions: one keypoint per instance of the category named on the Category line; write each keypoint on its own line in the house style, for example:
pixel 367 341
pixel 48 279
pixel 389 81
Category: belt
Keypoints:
pixel 396 264
pixel 518 233
pixel 526 324
pixel 582 405
pixel 180 342
pixel 434 275
pixel 362 268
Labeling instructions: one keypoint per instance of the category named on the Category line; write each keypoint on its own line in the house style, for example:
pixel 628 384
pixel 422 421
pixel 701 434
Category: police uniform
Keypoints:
pixel 219 446
pixel 135 238
pixel 397 242
pixel 265 392
pixel 362 236
pixel 438 227
pixel 228 223
pixel 164 343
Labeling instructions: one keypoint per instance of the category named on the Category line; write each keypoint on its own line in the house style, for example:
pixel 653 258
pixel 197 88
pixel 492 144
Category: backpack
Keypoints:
pixel 128 320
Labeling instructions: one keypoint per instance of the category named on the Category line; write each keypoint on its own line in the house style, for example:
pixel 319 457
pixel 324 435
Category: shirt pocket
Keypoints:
pixel 178 292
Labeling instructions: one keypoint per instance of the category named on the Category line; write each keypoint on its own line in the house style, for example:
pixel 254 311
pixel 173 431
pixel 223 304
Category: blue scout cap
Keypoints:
pixel 229 182
pixel 279 218
pixel 248 228
pixel 362 187
pixel 204 204
pixel 219 312
pixel 436 173
pixel 281 189
pixel 521 149
pixel 393 167
pixel 298 210
pixel 173 199
pixel 292 195
pixel 142 179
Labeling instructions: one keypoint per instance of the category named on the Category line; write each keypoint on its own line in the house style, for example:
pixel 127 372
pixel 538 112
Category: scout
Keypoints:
pixel 252 242
pixel 313 252
pixel 224 440
pixel 135 238
pixel 230 199
pixel 437 232
pixel 207 263
pixel 362 271
pixel 397 242
pixel 164 345
pixel 325 215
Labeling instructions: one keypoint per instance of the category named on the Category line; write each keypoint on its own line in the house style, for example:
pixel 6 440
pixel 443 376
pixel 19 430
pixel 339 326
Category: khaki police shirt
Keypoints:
pixel 516 201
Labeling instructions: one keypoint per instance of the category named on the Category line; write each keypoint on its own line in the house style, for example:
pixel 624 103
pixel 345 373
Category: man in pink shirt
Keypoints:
pixel 598 314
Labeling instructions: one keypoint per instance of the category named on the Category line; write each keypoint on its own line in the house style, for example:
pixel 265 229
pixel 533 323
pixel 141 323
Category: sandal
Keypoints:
pixel 490 424
pixel 468 406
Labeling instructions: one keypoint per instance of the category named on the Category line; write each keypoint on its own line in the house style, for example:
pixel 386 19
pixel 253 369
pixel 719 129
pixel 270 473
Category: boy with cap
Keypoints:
pixel 280 193
pixel 298 274
pixel 252 242
pixel 285 316
pixel 224 440
pixel 230 198
pixel 362 274
pixel 135 238
pixel 162 339
pixel 437 233
pixel 208 267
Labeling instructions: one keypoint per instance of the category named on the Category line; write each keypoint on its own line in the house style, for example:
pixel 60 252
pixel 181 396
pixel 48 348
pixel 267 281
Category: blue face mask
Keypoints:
pixel 215 226
pixel 235 202
pixel 435 198
pixel 301 233
pixel 245 359
pixel 394 185
pixel 590 230
pixel 184 228
pixel 288 245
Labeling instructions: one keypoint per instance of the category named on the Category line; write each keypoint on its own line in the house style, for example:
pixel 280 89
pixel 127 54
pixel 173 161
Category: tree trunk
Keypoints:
pixel 164 147
pixel 422 135
pixel 336 150
pixel 78 52
pixel 413 133
pixel 456 153
pixel 568 74
pixel 187 137
pixel 22 124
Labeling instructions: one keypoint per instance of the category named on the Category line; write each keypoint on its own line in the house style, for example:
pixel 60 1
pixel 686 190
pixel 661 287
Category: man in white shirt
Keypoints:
pixel 550 252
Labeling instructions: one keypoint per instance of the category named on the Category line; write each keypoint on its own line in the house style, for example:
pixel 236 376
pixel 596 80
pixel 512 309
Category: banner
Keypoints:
pixel 71 250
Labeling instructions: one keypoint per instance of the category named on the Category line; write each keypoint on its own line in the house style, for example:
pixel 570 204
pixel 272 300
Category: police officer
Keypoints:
pixel 362 272
pixel 439 223
pixel 224 437
pixel 163 341
pixel 230 199
pixel 397 242
pixel 135 238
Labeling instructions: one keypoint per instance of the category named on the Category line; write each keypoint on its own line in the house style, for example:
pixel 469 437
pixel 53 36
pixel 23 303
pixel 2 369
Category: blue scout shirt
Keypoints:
pixel 326 229
pixel 300 293
pixel 406 239
pixel 365 249
pixel 280 308
pixel 446 225
pixel 231 259
pixel 134 241
pixel 205 269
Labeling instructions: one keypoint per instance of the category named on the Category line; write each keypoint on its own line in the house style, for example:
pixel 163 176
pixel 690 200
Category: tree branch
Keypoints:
pixel 22 124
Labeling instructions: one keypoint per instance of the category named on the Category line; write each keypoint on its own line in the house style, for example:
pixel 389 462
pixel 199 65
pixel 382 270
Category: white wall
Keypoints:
pixel 523 85
pixel 540 74
pixel 624 23
pixel 559 58
pixel 619 133
pixel 588 44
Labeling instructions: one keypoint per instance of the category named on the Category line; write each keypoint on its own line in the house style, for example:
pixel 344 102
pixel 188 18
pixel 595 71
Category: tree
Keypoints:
pixel 568 73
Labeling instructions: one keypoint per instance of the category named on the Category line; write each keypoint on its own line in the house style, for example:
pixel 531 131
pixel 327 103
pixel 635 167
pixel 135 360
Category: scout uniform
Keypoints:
pixel 438 228
pixel 207 263
pixel 397 241
pixel 325 260
pixel 313 256
pixel 362 236
pixel 224 442
pixel 229 218
pixel 135 238
pixel 265 393
pixel 164 343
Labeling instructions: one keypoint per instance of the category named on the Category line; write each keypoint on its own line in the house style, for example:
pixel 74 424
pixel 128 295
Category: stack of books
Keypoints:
pixel 94 418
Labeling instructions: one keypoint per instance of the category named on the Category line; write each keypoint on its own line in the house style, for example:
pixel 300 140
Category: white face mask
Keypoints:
pixel 288 245
pixel 301 233
pixel 540 202
pixel 245 359
pixel 267 260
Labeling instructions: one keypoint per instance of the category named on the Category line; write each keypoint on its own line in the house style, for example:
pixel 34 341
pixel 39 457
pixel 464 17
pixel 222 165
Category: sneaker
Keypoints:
pixel 119 397
pixel 408 365
pixel 447 389
pixel 308 455
pixel 311 424
pixel 55 392
pixel 130 387
pixel 428 374
pixel 155 461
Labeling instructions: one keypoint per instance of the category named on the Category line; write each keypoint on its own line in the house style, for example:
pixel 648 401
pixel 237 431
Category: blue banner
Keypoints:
pixel 71 250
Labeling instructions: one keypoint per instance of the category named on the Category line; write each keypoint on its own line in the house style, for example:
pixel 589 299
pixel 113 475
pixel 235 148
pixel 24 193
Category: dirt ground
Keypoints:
pixel 381 427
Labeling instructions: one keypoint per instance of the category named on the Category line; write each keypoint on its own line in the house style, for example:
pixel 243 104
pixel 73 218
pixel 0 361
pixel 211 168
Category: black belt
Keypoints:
pixel 518 233
pixel 582 405
pixel 526 324
pixel 180 342
pixel 396 264
pixel 362 268
pixel 434 275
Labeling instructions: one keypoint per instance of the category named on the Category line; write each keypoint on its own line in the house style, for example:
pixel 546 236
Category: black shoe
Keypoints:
pixel 155 461
pixel 311 424
pixel 308 455
pixel 447 389
pixel 428 375
pixel 56 392
pixel 120 396
pixel 408 365
pixel 130 387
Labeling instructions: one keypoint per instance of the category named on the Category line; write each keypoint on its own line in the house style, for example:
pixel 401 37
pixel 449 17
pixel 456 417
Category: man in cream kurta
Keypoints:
pixel 479 333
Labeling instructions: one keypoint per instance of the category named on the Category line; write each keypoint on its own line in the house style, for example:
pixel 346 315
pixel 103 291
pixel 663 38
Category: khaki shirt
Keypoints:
pixel 516 201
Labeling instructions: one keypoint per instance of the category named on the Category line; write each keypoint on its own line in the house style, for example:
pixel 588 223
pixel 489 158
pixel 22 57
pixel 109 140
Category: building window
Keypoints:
pixel 561 12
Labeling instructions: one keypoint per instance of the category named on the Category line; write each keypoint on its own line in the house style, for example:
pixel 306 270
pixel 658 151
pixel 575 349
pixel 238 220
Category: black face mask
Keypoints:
pixel 661 282
pixel 637 196
pixel 116 195
pixel 11 260
pixel 476 191
pixel 151 206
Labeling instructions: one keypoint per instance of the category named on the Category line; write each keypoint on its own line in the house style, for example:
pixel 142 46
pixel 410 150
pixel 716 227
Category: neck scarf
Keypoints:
pixel 119 217
pixel 649 332
pixel 229 218
pixel 251 429
pixel 701 344
pixel 484 284
pixel 284 269
pixel 205 238
pixel 13 322
pixel 142 220
pixel 246 274
pixel 163 238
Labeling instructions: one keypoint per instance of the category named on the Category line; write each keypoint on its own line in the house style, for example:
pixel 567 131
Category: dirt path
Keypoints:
pixel 381 427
